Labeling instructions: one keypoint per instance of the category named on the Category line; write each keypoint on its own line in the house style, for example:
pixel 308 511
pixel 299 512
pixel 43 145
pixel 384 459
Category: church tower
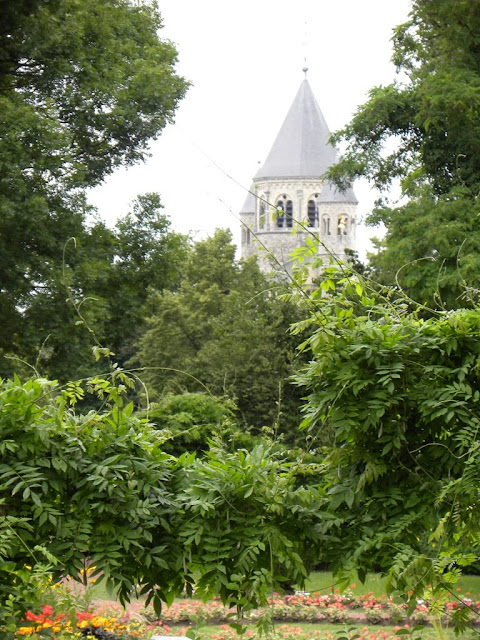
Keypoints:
pixel 289 200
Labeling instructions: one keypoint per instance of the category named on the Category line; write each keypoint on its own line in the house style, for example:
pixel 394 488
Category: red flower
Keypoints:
pixel 84 616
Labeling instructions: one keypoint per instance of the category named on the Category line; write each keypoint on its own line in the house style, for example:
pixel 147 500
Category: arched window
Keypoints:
pixel 289 213
pixel 312 214
pixel 284 212
pixel 342 225
pixel 325 226
pixel 280 214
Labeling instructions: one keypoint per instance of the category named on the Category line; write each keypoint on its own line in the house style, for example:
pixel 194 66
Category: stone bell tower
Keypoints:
pixel 290 200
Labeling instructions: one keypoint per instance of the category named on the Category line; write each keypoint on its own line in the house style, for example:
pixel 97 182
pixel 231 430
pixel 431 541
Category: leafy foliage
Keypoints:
pixel 225 331
pixel 247 526
pixel 440 267
pixel 422 131
pixel 431 113
pixel 400 397
pixel 91 488
pixel 98 295
pixel 192 421
pixel 92 80
pixel 98 490
pixel 84 86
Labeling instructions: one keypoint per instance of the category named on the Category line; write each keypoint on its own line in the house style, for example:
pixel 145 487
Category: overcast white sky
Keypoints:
pixel 245 62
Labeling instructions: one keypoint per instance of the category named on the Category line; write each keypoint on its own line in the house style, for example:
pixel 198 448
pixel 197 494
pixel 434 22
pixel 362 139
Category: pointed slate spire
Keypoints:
pixel 301 149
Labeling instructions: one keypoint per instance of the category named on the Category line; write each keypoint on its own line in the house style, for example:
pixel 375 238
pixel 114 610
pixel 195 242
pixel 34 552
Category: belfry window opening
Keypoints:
pixel 342 225
pixel 312 214
pixel 284 213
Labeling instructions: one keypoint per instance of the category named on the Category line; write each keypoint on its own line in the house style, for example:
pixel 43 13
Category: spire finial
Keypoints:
pixel 305 48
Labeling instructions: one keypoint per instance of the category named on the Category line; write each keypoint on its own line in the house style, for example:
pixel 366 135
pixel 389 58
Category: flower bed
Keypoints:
pixel 91 625
pixel 292 632
pixel 316 607
pixel 112 623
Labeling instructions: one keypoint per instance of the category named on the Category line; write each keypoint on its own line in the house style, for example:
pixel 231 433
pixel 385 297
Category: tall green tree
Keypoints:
pixel 226 331
pixel 423 131
pixel 84 85
pixel 99 295
pixel 148 256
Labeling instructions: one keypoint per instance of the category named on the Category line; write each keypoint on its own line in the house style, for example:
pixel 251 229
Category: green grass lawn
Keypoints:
pixel 324 582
